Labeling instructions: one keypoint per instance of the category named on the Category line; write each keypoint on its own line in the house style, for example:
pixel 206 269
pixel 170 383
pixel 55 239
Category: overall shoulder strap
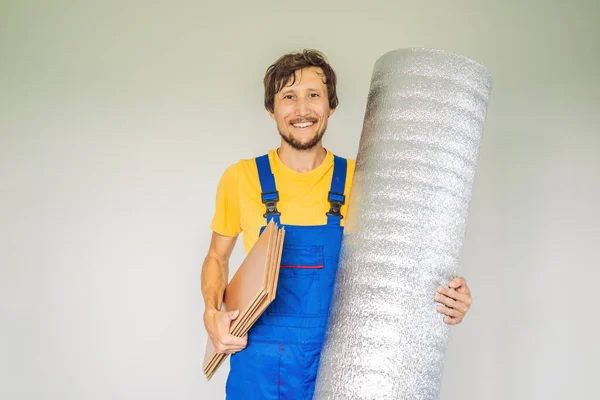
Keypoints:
pixel 269 195
pixel 336 196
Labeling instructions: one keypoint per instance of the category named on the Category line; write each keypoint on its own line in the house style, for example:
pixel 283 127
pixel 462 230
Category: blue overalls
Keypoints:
pixel 281 358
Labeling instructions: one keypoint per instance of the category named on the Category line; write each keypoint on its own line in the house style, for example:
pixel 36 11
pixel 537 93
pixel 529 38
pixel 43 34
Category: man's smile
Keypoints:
pixel 303 124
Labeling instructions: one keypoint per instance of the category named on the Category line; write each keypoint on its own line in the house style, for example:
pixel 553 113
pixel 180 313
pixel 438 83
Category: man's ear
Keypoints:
pixel 331 111
pixel 272 115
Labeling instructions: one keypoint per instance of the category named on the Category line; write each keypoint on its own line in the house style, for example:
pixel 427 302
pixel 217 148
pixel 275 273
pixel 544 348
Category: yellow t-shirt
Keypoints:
pixel 302 197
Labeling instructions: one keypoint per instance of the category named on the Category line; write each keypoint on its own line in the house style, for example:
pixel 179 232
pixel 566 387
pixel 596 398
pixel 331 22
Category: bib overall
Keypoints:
pixel 284 346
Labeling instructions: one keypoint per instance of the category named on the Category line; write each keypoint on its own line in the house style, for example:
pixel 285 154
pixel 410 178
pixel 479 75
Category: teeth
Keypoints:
pixel 303 124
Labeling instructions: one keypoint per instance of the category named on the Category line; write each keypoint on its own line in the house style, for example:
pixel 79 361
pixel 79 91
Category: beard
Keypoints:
pixel 303 146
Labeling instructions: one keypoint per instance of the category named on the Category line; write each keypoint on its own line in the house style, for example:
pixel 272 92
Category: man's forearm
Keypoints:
pixel 214 277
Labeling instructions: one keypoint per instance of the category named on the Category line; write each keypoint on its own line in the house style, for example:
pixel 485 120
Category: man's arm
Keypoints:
pixel 215 273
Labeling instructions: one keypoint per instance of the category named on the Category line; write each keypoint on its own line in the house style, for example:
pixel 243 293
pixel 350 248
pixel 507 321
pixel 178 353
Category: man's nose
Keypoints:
pixel 302 108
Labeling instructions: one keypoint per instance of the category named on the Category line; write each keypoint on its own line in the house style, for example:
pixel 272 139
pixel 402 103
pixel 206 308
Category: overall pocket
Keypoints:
pixel 299 287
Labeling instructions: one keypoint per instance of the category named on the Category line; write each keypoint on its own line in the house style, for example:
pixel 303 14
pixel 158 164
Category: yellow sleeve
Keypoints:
pixel 348 187
pixel 226 220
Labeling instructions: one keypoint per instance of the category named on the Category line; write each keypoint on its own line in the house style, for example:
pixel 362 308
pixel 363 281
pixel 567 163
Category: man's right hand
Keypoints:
pixel 217 325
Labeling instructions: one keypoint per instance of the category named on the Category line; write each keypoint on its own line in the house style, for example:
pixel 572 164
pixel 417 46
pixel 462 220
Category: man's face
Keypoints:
pixel 301 110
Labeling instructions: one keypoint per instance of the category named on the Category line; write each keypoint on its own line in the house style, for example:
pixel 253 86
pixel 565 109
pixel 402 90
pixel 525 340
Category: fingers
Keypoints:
pixel 223 341
pixel 229 350
pixel 451 312
pixel 234 341
pixel 452 320
pixel 454 300
pixel 449 302
pixel 453 296
pixel 230 344
pixel 460 284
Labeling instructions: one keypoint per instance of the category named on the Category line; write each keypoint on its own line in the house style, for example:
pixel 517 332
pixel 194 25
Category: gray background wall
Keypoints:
pixel 118 117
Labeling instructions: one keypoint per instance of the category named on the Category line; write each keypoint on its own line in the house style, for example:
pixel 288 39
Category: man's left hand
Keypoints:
pixel 455 300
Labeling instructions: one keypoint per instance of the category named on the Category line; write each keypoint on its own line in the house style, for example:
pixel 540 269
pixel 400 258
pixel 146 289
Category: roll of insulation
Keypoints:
pixel 405 226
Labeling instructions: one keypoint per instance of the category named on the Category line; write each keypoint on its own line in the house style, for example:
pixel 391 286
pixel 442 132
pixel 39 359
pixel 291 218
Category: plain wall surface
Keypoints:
pixel 118 118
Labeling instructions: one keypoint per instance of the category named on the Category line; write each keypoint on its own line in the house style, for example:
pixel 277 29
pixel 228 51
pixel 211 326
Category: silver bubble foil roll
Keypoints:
pixel 405 226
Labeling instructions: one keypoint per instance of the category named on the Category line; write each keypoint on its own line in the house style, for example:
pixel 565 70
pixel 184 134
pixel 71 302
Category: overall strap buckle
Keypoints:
pixel 270 199
pixel 336 201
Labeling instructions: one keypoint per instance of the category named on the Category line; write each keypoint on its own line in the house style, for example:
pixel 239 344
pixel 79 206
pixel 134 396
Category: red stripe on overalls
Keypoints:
pixel 279 372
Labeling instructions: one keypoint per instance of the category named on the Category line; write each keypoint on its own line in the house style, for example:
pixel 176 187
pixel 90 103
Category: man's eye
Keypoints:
pixel 314 95
pixel 288 97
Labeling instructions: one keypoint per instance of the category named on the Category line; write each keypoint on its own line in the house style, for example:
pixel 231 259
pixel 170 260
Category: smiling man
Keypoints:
pixel 302 109
pixel 305 187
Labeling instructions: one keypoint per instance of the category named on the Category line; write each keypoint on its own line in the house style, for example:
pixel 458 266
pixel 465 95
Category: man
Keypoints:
pixel 305 187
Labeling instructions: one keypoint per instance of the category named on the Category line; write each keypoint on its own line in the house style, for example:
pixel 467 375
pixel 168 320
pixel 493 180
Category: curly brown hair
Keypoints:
pixel 282 72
